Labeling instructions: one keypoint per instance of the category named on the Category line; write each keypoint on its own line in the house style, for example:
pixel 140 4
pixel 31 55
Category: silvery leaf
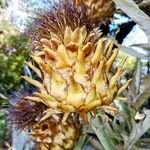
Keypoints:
pixel 137 15
pixel 136 52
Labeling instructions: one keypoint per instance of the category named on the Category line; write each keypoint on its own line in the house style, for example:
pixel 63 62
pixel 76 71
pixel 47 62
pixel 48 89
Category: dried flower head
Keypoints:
pixel 77 76
pixel 77 73
pixel 24 113
pixel 98 8
pixel 54 21
pixel 53 133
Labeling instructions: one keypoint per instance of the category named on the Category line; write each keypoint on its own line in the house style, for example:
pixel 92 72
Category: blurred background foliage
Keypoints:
pixel 2 3
pixel 14 50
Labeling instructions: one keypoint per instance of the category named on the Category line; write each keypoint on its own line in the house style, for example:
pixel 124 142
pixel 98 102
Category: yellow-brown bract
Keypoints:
pixel 77 76
pixel 76 73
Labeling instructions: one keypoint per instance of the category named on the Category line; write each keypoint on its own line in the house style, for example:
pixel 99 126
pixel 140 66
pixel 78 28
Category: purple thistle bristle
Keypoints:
pixel 15 97
pixel 24 113
pixel 61 14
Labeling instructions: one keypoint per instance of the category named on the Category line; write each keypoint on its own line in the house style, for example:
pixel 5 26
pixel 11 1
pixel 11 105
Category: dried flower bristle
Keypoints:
pixel 54 21
pixel 24 113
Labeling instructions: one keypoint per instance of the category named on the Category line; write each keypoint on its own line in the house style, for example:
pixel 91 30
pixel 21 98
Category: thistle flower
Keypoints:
pixel 98 8
pixel 77 76
pixel 24 113
pixel 76 73
pixel 54 20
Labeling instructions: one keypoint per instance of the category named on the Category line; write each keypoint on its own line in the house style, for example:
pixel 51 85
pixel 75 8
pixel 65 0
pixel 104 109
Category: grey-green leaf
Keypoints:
pixel 137 15
pixel 98 126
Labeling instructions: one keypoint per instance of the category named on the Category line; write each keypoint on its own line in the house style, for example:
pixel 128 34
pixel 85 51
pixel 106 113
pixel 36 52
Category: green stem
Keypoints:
pixel 81 140
pixel 99 129
pixel 138 76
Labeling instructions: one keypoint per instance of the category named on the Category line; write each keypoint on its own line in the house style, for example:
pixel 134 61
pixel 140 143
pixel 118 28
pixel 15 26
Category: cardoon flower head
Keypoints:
pixel 75 66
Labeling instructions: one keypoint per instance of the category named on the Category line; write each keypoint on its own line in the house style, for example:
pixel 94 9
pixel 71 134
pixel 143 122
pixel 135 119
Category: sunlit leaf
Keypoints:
pixel 143 20
pixel 137 52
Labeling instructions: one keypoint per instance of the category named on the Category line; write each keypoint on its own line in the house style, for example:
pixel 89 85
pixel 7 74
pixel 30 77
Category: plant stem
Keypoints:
pixel 81 140
pixel 138 75
pixel 99 129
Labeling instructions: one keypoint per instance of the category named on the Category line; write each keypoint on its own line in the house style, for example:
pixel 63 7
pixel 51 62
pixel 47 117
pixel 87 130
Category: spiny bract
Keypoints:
pixel 76 72
pixel 77 77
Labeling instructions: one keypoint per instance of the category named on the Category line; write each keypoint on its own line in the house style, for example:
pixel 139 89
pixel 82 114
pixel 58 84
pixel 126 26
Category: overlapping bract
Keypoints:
pixel 76 72
pixel 55 134
pixel 76 76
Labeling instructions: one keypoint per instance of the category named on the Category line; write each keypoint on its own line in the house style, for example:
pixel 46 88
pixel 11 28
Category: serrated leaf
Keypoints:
pixel 143 20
